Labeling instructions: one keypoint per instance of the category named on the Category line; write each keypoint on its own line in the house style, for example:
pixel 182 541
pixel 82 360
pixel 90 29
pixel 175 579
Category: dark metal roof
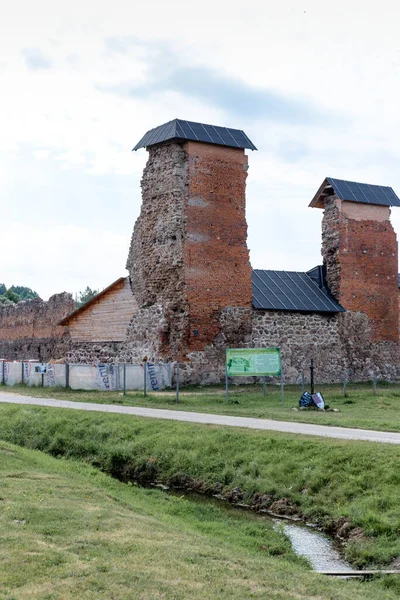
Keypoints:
pixel 187 130
pixel 355 192
pixel 291 291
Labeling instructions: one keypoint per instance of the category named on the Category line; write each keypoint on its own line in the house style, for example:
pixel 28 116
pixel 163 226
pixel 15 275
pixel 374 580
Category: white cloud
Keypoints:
pixel 60 258
pixel 58 126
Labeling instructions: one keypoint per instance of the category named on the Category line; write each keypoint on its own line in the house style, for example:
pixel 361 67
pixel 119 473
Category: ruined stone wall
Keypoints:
pixel 339 344
pixel 155 261
pixel 188 252
pixel 29 330
pixel 359 248
pixel 93 352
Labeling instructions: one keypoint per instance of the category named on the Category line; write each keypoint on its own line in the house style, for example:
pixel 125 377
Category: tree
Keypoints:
pixel 12 296
pixel 3 289
pixel 4 300
pixel 25 293
pixel 82 297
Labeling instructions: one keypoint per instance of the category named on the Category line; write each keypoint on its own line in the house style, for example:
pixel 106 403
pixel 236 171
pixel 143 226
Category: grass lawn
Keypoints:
pixel 68 531
pixel 323 480
pixel 360 409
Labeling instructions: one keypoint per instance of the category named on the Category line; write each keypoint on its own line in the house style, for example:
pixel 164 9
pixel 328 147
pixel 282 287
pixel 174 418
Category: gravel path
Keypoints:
pixel 343 433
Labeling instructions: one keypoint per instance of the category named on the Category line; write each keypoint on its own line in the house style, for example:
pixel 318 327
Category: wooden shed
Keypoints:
pixel 105 318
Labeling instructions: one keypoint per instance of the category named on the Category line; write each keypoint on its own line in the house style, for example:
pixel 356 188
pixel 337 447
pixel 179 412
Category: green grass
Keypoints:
pixel 69 531
pixel 360 409
pixel 323 479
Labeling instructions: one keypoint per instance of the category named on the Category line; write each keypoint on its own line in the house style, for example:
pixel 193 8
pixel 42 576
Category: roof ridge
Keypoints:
pixel 192 130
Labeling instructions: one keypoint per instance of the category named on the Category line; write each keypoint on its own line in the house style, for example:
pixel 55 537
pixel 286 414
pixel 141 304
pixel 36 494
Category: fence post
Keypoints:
pixel 345 385
pixel 3 372
pixel 312 375
pixel 22 372
pixel 145 377
pixel 374 384
pixel 302 383
pixel 124 373
pixel 283 390
pixel 177 382
pixel 67 375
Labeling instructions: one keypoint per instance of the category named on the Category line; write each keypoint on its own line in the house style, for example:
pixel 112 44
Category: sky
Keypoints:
pixel 314 84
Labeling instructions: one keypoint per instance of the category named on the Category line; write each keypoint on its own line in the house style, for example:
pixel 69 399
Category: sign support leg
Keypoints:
pixel 283 391
pixel 265 386
pixel 177 383
pixel 226 385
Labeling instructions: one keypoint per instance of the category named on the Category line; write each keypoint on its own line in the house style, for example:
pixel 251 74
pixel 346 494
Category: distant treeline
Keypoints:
pixel 15 294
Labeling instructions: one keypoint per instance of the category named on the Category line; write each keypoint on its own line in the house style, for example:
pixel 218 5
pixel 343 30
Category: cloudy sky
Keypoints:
pixel 314 84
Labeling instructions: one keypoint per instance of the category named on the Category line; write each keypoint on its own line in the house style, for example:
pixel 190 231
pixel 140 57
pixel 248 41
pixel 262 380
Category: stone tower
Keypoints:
pixel 188 257
pixel 359 249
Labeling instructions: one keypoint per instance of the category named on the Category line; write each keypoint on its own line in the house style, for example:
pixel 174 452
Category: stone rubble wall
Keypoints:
pixel 340 345
pixel 29 330
pixel 331 245
pixel 188 251
pixel 156 255
pixel 91 353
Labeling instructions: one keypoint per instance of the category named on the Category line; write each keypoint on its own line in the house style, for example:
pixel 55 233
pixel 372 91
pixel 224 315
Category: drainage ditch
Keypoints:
pixel 322 552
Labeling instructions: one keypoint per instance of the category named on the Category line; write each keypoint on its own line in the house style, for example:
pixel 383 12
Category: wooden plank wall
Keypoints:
pixel 107 319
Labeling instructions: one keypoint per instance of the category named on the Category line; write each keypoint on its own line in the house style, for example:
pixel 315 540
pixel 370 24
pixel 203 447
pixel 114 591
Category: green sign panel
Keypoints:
pixel 245 362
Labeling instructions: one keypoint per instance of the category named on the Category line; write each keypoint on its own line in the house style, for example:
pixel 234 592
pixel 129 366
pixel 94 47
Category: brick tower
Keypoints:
pixel 359 249
pixel 188 257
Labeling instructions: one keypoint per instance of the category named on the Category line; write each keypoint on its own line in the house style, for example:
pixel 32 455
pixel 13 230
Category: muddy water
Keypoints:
pixel 306 540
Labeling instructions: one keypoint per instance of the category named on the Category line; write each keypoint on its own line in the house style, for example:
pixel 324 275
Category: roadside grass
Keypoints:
pixel 361 409
pixel 69 531
pixel 323 480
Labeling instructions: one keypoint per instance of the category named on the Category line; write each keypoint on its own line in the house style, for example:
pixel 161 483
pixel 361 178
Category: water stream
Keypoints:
pixel 317 547
pixel 307 541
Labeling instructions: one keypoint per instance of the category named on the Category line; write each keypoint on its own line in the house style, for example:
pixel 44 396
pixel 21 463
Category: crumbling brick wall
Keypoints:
pixel 217 268
pixel 188 252
pixel 29 330
pixel 359 248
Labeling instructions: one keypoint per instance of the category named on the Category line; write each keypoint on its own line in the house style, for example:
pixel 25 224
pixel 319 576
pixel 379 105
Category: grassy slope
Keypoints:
pixel 360 409
pixel 71 532
pixel 324 479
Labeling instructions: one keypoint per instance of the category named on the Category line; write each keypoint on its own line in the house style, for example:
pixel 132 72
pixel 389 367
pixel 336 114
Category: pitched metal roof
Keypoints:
pixel 355 192
pixel 188 130
pixel 291 291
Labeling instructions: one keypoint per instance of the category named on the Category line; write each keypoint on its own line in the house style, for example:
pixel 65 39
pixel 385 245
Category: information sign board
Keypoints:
pixel 247 362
